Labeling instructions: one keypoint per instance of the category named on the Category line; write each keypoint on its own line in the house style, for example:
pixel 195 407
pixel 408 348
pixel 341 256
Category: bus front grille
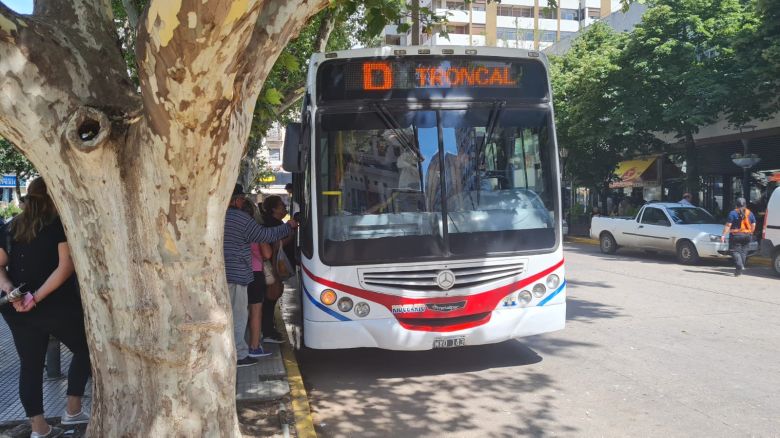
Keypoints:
pixel 424 279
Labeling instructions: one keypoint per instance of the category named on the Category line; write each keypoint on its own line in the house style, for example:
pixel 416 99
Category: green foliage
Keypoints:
pixel 673 64
pixel 589 122
pixel 9 211
pixel 12 162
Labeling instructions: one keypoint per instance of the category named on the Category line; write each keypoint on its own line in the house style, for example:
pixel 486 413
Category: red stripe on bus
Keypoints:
pixel 477 303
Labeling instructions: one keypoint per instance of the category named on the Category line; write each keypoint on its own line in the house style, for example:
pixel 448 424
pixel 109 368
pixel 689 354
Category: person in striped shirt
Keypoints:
pixel 240 231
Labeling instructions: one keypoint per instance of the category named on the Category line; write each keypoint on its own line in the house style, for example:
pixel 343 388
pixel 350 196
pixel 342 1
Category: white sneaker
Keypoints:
pixel 53 432
pixel 80 418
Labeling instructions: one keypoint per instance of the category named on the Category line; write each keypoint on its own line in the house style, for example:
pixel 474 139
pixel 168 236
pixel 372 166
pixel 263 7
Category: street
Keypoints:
pixel 651 348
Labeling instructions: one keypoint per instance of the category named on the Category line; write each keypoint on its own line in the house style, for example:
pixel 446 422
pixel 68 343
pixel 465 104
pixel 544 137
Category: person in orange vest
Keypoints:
pixel 741 225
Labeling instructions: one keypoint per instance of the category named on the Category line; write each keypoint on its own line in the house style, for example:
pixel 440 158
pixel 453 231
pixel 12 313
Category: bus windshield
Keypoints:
pixel 387 178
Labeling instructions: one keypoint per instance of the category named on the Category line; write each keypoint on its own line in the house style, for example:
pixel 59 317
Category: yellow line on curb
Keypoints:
pixel 304 423
pixel 752 261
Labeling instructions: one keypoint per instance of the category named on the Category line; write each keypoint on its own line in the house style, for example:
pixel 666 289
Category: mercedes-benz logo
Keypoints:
pixel 445 279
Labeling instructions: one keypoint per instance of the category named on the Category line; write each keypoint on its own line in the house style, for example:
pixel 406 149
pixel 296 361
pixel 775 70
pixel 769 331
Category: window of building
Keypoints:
pixel 275 154
pixel 524 11
pixel 548 36
pixel 567 34
pixel 569 14
pixel 393 40
pixel 515 11
pixel 477 29
pixel 461 30
pixel 527 34
pixel 506 33
pixel 594 12
pixel 456 5
pixel 548 13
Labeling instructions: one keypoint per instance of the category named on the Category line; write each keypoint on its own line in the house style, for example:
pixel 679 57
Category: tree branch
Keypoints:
pixel 10 22
pixel 91 18
pixel 290 99
pixel 283 27
pixel 327 25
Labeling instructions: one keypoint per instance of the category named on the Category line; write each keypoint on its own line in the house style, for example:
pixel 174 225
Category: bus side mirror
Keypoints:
pixel 291 161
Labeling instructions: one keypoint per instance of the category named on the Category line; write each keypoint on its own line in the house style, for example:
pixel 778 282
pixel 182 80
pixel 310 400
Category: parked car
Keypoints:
pixel 690 232
pixel 770 245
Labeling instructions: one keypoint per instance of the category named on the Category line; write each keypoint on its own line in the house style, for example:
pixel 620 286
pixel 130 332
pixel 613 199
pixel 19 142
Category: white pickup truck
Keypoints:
pixel 690 232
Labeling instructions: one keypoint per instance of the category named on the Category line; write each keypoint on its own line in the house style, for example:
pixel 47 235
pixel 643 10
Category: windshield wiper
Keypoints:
pixel 495 112
pixel 392 123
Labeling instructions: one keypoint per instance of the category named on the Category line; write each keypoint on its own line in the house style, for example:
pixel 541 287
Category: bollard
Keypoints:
pixel 53 359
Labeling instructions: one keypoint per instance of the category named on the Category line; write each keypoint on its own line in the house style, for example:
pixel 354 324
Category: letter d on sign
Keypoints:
pixel 377 76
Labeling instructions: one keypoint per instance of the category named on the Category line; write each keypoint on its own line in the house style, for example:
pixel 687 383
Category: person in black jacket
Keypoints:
pixel 35 256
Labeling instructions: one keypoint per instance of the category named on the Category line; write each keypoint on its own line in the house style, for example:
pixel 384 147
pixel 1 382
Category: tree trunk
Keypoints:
pixel 692 181
pixel 142 183
pixel 415 22
pixel 18 185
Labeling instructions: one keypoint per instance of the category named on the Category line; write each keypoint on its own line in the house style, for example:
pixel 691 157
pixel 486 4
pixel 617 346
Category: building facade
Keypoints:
pixel 528 24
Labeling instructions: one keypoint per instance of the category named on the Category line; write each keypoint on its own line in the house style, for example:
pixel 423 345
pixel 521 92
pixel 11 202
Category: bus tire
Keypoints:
pixel 607 243
pixel 776 262
pixel 687 253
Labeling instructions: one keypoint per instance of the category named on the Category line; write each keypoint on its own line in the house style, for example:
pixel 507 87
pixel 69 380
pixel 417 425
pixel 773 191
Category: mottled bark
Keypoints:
pixel 141 182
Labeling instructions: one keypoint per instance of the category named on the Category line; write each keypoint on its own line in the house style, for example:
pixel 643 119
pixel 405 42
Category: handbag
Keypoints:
pixel 268 271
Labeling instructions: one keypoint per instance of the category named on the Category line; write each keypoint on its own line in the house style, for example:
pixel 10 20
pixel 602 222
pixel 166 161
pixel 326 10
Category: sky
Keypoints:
pixel 21 6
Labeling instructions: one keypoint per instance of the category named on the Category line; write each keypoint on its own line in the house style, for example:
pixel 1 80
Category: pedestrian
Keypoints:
pixel 686 199
pixel 291 204
pixel 256 289
pixel 241 230
pixel 273 211
pixel 740 224
pixel 35 256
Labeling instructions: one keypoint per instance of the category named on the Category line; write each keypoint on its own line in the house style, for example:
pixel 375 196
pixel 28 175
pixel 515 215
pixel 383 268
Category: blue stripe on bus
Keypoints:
pixel 322 307
pixel 552 295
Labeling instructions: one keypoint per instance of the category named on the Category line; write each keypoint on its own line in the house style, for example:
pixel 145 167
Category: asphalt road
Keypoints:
pixel 651 348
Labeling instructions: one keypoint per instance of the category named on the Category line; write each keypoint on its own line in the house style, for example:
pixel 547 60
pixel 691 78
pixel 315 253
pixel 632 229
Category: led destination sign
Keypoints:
pixel 432 78
pixel 381 76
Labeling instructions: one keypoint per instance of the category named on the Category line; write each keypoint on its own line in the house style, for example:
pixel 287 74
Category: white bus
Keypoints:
pixel 429 189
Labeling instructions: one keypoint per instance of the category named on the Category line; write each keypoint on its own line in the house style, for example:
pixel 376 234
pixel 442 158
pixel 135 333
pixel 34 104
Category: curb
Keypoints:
pixel 304 423
pixel 752 261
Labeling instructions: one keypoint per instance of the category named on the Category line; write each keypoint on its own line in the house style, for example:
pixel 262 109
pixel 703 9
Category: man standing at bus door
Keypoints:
pixel 686 199
pixel 241 230
pixel 741 224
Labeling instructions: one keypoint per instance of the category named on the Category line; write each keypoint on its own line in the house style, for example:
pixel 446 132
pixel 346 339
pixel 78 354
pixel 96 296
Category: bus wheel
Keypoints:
pixel 686 253
pixel 776 262
pixel 607 243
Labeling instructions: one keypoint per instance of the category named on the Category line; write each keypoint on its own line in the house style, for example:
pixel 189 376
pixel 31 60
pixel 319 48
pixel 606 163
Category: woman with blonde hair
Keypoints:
pixel 34 256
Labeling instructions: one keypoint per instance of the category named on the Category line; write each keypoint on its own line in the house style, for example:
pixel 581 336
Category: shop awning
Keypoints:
pixel 630 173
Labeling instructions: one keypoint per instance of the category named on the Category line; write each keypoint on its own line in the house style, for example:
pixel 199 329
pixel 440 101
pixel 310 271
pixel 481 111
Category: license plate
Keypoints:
pixel 458 341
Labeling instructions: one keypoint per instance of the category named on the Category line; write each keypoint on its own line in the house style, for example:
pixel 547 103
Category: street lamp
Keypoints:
pixel 745 160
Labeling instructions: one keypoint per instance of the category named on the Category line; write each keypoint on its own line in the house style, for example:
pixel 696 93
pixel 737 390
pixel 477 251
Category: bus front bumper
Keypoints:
pixel 387 333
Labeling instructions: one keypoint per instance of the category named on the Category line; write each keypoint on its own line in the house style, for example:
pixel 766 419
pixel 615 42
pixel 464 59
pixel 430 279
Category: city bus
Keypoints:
pixel 428 184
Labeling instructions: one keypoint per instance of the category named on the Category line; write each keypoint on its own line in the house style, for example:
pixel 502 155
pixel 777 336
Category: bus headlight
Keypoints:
pixel 525 298
pixel 328 297
pixel 345 304
pixel 539 290
pixel 362 309
pixel 553 281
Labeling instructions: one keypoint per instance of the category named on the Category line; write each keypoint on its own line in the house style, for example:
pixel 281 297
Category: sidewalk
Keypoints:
pixel 267 380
